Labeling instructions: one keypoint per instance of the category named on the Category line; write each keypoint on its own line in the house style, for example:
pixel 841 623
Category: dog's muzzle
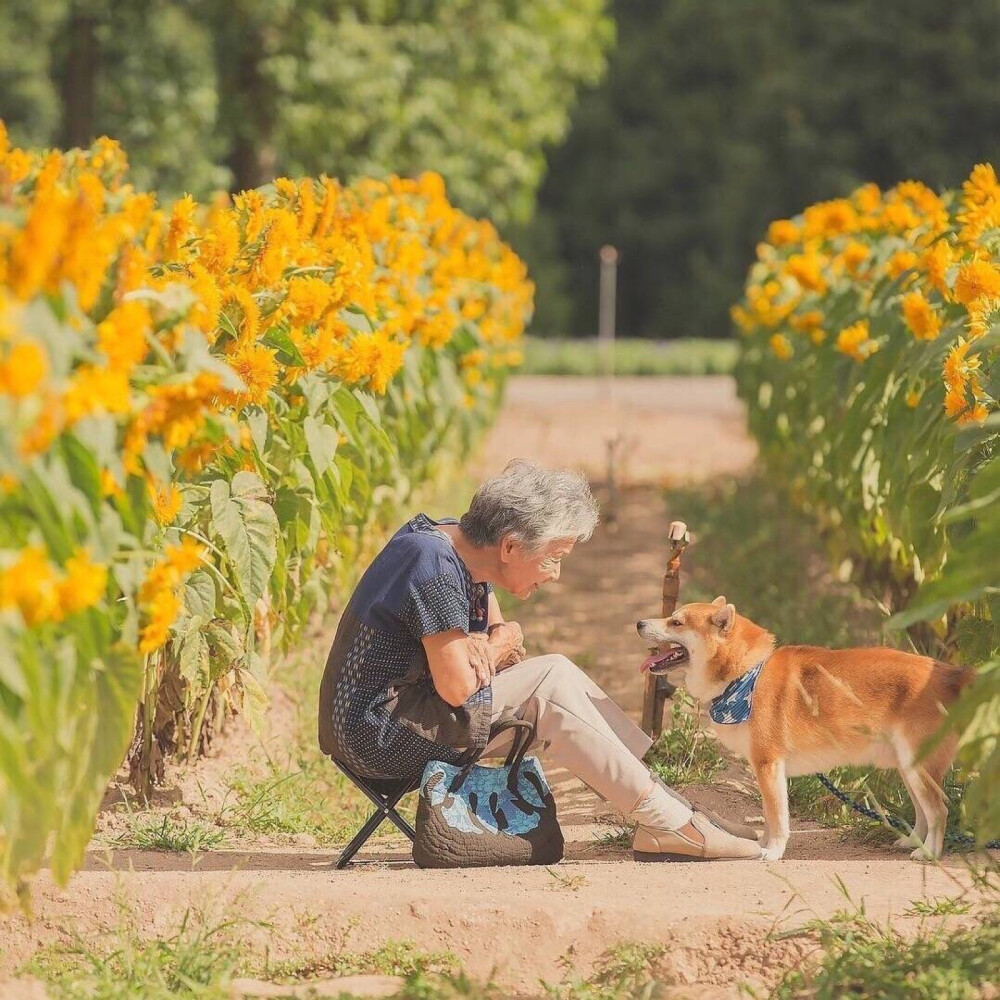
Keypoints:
pixel 666 656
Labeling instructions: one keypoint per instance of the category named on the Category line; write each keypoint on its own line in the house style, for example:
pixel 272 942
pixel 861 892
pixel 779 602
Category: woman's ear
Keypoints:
pixel 507 544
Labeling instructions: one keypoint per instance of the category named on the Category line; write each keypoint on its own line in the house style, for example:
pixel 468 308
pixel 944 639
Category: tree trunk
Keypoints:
pixel 79 77
pixel 247 107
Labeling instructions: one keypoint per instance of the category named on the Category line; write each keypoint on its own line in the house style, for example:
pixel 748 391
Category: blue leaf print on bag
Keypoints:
pixel 485 803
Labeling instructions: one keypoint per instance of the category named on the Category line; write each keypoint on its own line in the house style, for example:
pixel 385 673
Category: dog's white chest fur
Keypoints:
pixel 733 736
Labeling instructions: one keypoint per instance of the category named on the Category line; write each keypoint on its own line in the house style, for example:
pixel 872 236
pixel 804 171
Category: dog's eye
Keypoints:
pixel 674 622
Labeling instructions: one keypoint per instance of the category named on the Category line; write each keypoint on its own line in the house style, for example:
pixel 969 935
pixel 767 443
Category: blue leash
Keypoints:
pixel 894 821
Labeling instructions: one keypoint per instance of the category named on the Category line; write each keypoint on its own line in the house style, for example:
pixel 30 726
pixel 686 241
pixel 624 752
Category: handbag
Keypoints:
pixel 471 816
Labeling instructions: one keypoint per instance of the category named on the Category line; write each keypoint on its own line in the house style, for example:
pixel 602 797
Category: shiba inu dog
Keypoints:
pixel 802 709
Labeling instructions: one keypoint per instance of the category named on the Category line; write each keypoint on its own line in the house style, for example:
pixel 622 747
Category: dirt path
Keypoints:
pixel 521 923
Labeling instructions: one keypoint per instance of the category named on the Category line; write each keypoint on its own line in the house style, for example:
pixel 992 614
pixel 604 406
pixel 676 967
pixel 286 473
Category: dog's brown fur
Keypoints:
pixel 817 708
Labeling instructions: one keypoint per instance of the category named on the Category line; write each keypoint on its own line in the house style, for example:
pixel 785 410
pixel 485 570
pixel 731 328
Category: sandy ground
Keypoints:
pixel 527 924
pixel 667 429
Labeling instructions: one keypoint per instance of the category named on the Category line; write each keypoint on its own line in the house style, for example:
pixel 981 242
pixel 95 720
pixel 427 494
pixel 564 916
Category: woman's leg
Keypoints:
pixel 581 729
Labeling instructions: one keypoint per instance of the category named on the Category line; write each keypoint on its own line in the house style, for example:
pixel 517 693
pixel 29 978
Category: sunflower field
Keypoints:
pixel 202 407
pixel 870 364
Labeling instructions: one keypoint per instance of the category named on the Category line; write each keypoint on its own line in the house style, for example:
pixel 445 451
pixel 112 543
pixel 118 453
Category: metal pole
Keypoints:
pixel 606 359
pixel 606 308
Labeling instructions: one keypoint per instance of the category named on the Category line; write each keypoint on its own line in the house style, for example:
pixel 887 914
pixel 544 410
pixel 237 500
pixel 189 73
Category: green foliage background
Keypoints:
pixel 210 94
pixel 717 116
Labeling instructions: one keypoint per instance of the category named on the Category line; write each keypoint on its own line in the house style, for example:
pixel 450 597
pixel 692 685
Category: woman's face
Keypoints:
pixel 525 571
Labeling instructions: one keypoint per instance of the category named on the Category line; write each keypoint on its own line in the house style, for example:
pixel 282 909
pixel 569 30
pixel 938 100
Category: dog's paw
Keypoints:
pixel 772 853
pixel 907 842
pixel 923 854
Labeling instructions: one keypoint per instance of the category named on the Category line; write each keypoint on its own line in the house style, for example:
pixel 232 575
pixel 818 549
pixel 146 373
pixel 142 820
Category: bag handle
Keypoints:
pixel 520 746
pixel 517 751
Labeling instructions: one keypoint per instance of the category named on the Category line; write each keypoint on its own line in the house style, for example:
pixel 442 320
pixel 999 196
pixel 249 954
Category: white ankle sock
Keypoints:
pixel 661 808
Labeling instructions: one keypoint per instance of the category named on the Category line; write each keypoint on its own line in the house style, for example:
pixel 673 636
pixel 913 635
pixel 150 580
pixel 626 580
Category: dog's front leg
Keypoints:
pixel 774 794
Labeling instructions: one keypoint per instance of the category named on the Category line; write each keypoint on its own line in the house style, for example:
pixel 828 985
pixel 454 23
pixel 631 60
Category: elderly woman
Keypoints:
pixel 423 662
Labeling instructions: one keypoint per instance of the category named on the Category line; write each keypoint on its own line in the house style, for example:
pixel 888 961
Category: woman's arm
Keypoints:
pixel 460 664
pixel 495 615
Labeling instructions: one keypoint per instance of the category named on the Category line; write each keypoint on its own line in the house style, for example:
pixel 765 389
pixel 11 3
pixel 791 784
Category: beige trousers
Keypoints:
pixel 578 727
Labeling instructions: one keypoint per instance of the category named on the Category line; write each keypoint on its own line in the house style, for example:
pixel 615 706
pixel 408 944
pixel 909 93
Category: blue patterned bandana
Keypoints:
pixel 734 704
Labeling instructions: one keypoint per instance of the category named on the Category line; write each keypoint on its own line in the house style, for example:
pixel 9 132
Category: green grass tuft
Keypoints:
pixel 943 906
pixel 626 971
pixel 167 834
pixel 863 958
pixel 196 962
pixel 619 837
pixel 684 753
pixel 306 795
pixel 394 958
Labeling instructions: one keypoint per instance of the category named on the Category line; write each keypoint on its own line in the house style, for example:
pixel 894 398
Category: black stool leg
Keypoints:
pixel 373 823
pixel 386 810
pixel 385 806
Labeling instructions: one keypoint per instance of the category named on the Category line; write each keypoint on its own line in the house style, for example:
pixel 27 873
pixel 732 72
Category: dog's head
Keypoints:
pixel 711 641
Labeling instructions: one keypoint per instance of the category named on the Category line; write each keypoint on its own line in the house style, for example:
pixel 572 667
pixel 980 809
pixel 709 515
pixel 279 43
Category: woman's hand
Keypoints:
pixel 507 642
pixel 482 659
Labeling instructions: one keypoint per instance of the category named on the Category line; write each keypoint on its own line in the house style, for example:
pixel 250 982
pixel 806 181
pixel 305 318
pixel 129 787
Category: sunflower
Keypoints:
pixel 981 315
pixel 781 346
pixel 23 370
pixel 30 586
pixel 161 611
pixel 855 342
pixel 901 261
pixel 83 585
pixel 920 316
pixel 257 366
pixel 936 261
pixel 782 232
pixel 958 368
pixel 977 279
pixel 122 335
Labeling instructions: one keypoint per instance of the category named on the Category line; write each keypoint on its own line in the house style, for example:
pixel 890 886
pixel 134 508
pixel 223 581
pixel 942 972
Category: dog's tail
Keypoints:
pixel 953 679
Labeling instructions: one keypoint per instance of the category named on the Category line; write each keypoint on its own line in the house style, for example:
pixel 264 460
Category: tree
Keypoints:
pixel 206 93
pixel 717 116
pixel 71 70
pixel 475 89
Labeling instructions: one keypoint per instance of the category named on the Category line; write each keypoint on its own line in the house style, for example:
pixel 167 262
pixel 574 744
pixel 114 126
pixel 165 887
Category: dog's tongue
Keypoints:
pixel 650 661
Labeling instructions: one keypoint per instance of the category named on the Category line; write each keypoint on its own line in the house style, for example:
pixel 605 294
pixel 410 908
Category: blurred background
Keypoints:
pixel 673 129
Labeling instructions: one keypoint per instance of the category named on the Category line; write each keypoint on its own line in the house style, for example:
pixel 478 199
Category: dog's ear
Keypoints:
pixel 724 618
pixel 719 602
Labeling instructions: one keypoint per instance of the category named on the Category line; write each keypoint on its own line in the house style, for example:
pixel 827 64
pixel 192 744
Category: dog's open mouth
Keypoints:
pixel 663 660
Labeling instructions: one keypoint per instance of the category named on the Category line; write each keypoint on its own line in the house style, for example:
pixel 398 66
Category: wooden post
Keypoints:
pixel 658 689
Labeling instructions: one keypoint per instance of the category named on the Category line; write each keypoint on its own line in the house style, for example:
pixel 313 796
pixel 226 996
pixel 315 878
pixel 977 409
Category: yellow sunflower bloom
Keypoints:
pixel 30 587
pixel 982 314
pixel 921 317
pixel 781 346
pixel 258 368
pixel 977 279
pixel 901 261
pixel 84 584
pixel 854 341
pixel 23 370
pixel 161 612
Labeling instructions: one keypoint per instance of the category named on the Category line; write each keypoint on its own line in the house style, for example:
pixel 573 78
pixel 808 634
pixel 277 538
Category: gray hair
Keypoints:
pixel 534 504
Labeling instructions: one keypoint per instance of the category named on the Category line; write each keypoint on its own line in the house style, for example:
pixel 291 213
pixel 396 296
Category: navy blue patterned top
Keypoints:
pixel 379 712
